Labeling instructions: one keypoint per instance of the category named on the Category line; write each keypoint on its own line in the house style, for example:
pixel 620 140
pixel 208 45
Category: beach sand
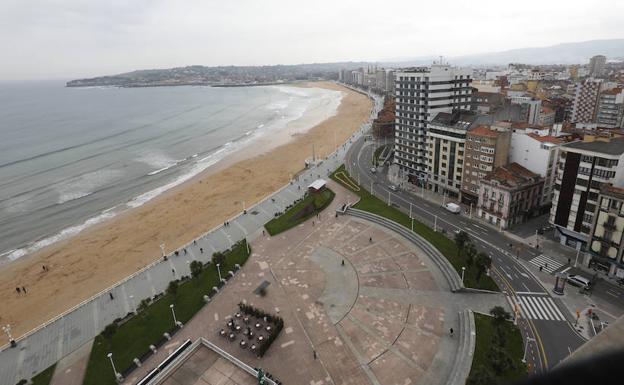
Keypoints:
pixel 104 254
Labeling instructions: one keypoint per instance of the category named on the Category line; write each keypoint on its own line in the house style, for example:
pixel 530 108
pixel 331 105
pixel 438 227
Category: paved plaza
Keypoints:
pixel 381 318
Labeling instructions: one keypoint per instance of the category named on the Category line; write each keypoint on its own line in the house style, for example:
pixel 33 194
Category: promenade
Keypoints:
pixel 49 343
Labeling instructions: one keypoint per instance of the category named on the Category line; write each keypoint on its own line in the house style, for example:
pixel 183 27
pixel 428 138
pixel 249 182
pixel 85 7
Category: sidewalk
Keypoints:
pixel 61 336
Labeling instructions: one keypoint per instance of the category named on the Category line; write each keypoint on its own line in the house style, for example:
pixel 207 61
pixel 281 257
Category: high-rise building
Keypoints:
pixel 420 94
pixel 610 112
pixel 446 138
pixel 585 100
pixel 487 147
pixel 597 65
pixel 584 169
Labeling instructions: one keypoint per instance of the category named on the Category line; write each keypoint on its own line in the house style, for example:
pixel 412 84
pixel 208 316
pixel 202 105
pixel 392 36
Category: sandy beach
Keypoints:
pixel 93 260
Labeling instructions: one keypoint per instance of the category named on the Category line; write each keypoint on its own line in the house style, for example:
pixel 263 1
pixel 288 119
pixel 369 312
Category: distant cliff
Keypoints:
pixel 221 76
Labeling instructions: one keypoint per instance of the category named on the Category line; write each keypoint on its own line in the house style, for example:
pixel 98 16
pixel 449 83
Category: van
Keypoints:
pixel 452 207
pixel 578 280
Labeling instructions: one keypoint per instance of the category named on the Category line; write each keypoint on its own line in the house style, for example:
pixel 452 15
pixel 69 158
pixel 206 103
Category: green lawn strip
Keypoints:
pixel 133 338
pixel 378 153
pixel 488 366
pixel 44 377
pixel 300 212
pixel 445 245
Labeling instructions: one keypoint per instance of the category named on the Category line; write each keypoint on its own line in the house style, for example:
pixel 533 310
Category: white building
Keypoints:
pixel 536 150
pixel 420 94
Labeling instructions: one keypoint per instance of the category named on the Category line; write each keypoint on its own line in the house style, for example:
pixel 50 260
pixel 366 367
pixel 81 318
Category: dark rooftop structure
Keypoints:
pixel 614 146
pixel 460 119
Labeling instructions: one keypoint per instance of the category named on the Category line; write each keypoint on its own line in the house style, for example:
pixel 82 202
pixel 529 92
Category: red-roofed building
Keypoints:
pixel 509 195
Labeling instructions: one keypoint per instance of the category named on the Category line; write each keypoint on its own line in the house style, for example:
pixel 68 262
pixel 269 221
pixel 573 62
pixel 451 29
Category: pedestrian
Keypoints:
pixel 541 267
pixel 263 233
pixel 173 271
pixel 451 332
pixel 370 239
pixel 201 250
pixel 546 265
pixel 312 223
pixel 24 289
pixel 177 253
pixel 314 354
pixel 43 267
pixel 343 262
pixel 185 251
pixel 18 290
pixel 111 296
pixel 194 242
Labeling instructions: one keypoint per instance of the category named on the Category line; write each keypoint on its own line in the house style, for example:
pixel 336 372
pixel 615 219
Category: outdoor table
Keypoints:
pixel 258 326
pixel 268 328
pixel 243 344
pixel 253 347
pixel 238 328
pixel 222 332
pixel 232 336
pixel 260 338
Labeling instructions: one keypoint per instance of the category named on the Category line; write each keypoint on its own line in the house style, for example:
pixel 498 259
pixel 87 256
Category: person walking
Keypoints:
pixel 201 250
pixel 24 289
pixel 111 296
pixel 314 354
pixel 451 332
pixel 370 239
pixel 18 290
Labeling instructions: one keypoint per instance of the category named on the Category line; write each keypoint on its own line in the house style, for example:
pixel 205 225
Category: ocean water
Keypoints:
pixel 73 157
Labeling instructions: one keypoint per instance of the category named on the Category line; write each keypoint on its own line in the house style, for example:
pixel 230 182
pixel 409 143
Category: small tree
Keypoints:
pixel 109 330
pixel 499 314
pixel 196 269
pixel 483 262
pixel 218 258
pixel 471 253
pixel 173 288
pixel 461 239
pixel 143 305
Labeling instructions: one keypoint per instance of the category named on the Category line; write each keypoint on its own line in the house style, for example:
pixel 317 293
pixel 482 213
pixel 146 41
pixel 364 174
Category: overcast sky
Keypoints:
pixel 45 39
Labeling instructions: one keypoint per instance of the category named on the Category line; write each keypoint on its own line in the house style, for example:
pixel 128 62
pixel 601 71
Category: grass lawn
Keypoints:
pixel 44 377
pixel 484 370
pixel 300 212
pixel 445 245
pixel 132 339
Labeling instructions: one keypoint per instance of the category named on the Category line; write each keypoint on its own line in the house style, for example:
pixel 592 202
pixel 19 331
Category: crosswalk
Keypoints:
pixel 548 264
pixel 536 307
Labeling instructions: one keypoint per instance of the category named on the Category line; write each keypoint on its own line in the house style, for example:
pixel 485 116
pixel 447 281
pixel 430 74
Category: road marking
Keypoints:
pixel 540 307
pixel 566 269
pixel 548 264
pixel 613 294
pixel 531 293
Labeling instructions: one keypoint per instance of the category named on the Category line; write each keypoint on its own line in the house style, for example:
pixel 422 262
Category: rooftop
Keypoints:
pixel 512 175
pixel 613 191
pixel 613 91
pixel 548 138
pixel 614 146
pixel 462 120
pixel 484 131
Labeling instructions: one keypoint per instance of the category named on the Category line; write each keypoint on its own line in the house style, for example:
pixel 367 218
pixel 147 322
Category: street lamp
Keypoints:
pixel 526 347
pixel 132 304
pixel 463 272
pixel 117 374
pixel 7 330
pixel 578 251
pixel 175 321
pixel 162 248
pixel 219 271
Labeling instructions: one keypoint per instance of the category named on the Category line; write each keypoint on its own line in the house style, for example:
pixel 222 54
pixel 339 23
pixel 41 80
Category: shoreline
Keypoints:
pixel 105 253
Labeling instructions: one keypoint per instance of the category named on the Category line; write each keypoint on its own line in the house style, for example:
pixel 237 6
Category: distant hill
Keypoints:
pixel 565 53
pixel 219 76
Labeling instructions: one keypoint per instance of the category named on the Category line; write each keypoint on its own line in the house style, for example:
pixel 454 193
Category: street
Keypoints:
pixel 543 319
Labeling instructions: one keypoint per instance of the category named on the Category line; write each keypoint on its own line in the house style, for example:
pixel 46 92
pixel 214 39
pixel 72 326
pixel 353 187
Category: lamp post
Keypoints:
pixel 110 357
pixel 410 210
pixel 219 271
pixel 463 272
pixel 132 304
pixel 435 223
pixel 578 251
pixel 470 215
pixel 526 347
pixel 7 330
pixel 536 239
pixel 175 321
pixel 389 198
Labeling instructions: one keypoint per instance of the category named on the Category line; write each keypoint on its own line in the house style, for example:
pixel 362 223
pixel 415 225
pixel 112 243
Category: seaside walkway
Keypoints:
pixel 49 343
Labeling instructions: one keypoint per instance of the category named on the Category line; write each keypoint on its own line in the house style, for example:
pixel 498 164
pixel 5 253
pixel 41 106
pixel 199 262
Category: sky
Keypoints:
pixel 66 39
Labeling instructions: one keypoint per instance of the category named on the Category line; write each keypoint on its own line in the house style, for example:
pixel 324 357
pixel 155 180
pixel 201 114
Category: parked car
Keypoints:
pixel 452 207
pixel 578 280
pixel 393 187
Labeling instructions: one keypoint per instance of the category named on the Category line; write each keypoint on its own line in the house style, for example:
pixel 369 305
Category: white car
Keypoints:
pixel 452 207
pixel 393 187
pixel 578 280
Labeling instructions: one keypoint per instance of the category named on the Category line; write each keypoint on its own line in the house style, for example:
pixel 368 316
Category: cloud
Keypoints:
pixel 76 38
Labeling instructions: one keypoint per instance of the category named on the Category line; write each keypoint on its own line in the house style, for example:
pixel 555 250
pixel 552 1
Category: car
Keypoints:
pixel 452 207
pixel 393 187
pixel 373 170
pixel 578 280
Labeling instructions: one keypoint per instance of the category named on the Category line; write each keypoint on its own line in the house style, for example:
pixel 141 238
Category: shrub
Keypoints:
pixel 109 330
pixel 173 288
pixel 218 258
pixel 196 269
pixel 499 314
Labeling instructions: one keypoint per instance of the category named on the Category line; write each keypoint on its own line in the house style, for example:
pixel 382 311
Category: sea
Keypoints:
pixel 71 158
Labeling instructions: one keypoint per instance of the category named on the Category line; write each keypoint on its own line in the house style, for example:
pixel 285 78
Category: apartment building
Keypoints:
pixel 530 108
pixel 584 168
pixel 487 147
pixel 606 243
pixel 610 113
pixel 597 65
pixel 547 116
pixel 509 195
pixel 446 138
pixel 585 100
pixel 420 94
pixel 538 151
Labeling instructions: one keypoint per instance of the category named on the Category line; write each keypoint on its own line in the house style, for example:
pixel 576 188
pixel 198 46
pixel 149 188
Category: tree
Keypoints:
pixel 481 376
pixel 173 288
pixel 471 253
pixel 483 262
pixel 461 239
pixel 218 258
pixel 196 269
pixel 499 314
pixel 143 305
pixel 109 330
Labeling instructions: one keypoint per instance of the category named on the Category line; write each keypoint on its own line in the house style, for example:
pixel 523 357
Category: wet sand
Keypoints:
pixel 93 260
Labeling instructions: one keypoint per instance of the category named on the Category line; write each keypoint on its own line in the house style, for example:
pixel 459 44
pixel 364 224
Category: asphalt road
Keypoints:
pixel 549 341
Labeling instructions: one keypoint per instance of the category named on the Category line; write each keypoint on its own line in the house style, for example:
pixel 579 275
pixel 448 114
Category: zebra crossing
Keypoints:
pixel 548 264
pixel 536 307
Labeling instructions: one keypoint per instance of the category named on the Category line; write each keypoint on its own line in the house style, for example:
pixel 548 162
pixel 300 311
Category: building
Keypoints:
pixel 606 243
pixel 585 100
pixel 420 94
pixel 538 151
pixel 547 116
pixel 487 147
pixel 486 102
pixel 584 168
pixel 530 108
pixel 597 65
pixel 446 138
pixel 610 112
pixel 509 195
